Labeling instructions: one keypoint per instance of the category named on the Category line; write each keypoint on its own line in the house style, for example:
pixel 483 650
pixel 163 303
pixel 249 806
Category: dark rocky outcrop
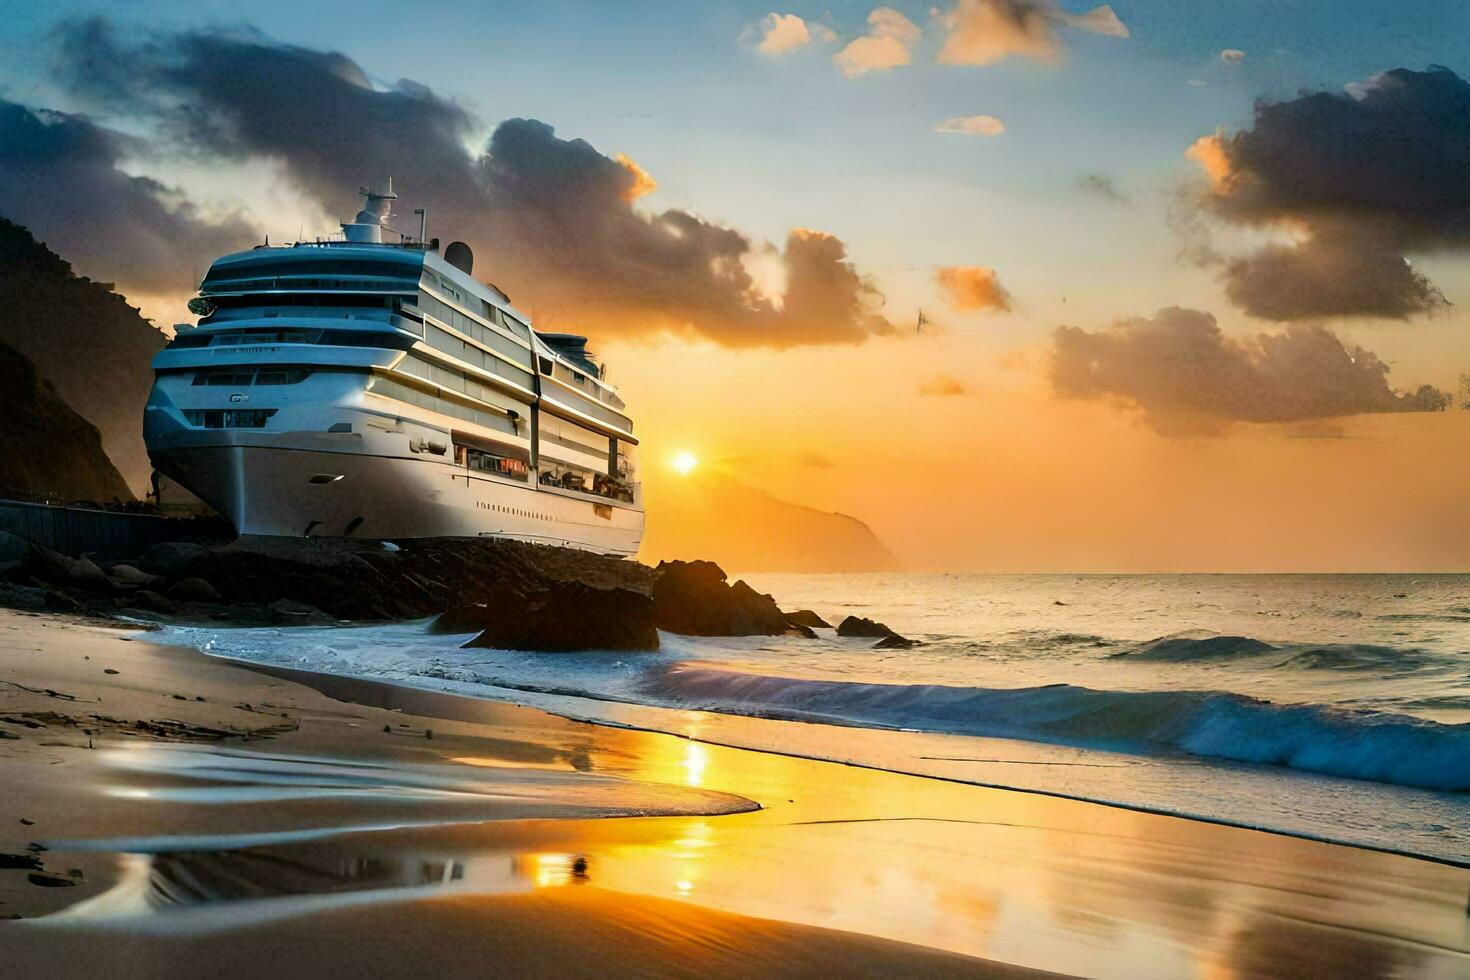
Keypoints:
pixel 807 618
pixel 511 594
pixel 47 450
pixel 694 599
pixel 567 616
pixel 858 626
pixel 86 341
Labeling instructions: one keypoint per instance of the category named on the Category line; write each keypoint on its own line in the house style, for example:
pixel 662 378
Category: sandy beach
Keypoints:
pixel 165 810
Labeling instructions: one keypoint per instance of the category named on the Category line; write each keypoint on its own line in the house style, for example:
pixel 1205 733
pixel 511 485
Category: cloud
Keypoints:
pixel 985 31
pixel 554 220
pixel 972 126
pixel 61 176
pixel 1187 377
pixel 1103 186
pixel 1232 56
pixel 1352 182
pixel 643 182
pixel 783 34
pixel 890 37
pixel 943 386
pixel 973 287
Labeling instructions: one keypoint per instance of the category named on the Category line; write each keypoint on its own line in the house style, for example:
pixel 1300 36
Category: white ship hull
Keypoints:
pixel 263 490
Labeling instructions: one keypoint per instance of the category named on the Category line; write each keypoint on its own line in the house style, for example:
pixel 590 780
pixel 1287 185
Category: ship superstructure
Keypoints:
pixel 355 387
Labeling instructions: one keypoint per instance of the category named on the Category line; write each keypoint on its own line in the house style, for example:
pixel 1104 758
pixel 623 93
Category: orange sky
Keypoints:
pixel 1008 478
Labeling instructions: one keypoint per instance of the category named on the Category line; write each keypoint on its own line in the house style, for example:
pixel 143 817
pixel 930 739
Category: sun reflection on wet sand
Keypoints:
pixel 1019 878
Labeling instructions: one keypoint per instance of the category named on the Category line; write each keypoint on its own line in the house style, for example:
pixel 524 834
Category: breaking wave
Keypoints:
pixel 1370 745
pixel 1197 646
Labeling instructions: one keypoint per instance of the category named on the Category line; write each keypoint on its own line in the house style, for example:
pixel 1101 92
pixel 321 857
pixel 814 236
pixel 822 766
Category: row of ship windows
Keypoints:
pixel 459 321
pixel 469 353
pixel 403 393
pixel 245 377
pixel 516 511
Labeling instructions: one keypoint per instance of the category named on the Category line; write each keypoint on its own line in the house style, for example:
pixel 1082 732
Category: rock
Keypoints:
pixel 468 618
pixel 109 670
pixel 20 862
pixel 57 568
pixel 193 590
pixel 150 601
pixel 858 626
pixel 805 632
pixel 693 598
pixel 130 577
pixel 568 616
pixel 61 602
pixel 807 618
pixel 290 611
pixel 894 642
pixel 48 880
pixel 170 558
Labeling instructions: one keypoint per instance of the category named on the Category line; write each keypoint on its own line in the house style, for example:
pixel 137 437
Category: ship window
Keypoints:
pixel 229 418
pixel 488 462
pixel 546 366
pixel 243 377
pixel 270 335
pixel 191 339
pixel 234 379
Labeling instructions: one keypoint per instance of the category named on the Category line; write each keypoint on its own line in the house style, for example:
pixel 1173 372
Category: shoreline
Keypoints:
pixel 514 797
pixel 343 686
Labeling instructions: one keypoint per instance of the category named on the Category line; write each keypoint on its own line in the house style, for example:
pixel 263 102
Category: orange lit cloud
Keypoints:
pixel 890 37
pixel 1209 153
pixel 782 34
pixel 972 126
pixel 643 182
pixel 973 287
pixel 985 31
pixel 943 386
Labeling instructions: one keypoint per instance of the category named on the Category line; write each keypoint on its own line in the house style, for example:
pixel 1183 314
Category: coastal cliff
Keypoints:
pixel 47 450
pixel 85 340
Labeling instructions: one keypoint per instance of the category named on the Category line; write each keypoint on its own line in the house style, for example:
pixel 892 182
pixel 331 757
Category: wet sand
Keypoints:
pixel 300 836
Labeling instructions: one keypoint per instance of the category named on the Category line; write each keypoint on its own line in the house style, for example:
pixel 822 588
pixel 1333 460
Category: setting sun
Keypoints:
pixel 685 462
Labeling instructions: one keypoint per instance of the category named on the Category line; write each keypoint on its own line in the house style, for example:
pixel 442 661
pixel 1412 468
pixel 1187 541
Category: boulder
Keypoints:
pixel 805 632
pixel 149 601
pixel 807 618
pixel 563 617
pixel 59 569
pixel 193 590
pixel 694 599
pixel 858 626
pixel 894 642
pixel 170 558
pixel 130 577
pixel 291 611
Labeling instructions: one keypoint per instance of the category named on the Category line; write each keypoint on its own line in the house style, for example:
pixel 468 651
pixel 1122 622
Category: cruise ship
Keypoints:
pixel 369 388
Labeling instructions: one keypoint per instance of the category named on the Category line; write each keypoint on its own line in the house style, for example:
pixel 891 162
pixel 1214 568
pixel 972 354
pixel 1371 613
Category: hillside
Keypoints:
pixel 85 340
pixel 48 451
pixel 744 529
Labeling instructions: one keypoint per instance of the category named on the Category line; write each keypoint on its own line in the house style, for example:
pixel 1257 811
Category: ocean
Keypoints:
pixel 1334 707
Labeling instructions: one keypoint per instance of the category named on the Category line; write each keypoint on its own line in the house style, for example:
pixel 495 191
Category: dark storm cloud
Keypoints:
pixel 60 177
pixel 1188 377
pixel 1363 177
pixel 543 213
